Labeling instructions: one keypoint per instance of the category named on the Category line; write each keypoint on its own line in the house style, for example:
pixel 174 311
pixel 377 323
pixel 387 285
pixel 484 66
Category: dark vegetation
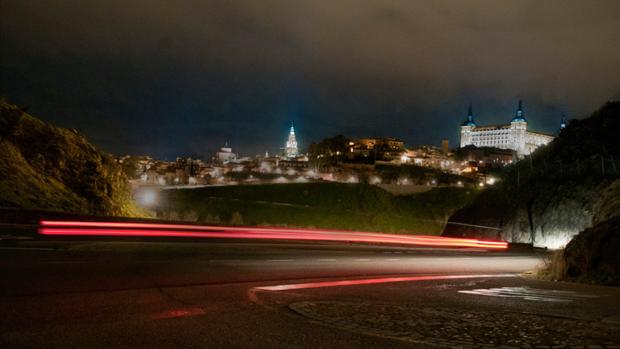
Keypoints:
pixel 45 167
pixel 330 149
pixel 323 205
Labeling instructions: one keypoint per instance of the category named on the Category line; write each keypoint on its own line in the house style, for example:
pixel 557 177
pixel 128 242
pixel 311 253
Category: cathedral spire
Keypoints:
pixel 291 149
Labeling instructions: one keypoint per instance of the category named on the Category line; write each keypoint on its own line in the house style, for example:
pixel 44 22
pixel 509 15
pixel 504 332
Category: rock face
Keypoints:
pixel 548 198
pixel 593 255
pixel 45 167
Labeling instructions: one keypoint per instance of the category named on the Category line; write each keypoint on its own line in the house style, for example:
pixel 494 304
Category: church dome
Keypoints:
pixel 468 122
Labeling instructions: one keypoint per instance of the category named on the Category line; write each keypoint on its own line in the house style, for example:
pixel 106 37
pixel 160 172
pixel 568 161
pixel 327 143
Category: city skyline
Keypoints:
pixel 240 72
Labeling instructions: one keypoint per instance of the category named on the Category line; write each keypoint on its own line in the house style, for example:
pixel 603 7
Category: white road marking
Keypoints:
pixel 393 259
pixel 527 293
pixel 362 260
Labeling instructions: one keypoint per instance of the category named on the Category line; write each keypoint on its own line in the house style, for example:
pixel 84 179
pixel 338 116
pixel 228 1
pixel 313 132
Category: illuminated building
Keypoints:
pixel 381 148
pixel 225 155
pixel 291 150
pixel 514 136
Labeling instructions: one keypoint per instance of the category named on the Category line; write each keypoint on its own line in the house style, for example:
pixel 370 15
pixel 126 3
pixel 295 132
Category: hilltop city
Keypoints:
pixel 482 150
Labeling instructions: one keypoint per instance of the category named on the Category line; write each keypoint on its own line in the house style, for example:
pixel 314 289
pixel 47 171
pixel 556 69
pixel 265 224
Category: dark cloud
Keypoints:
pixel 169 77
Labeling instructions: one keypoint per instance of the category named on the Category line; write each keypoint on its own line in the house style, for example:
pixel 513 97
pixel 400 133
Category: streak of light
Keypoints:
pixel 132 229
pixel 180 312
pixel 322 284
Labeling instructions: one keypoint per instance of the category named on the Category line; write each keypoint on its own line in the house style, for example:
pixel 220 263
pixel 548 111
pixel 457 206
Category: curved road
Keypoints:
pixel 214 294
pixel 206 294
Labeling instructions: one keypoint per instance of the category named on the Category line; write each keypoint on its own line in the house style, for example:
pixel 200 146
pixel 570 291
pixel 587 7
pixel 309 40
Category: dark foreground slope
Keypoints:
pixel 45 167
pixel 554 194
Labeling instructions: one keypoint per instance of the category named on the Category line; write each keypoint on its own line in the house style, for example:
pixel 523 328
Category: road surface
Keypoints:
pixel 260 295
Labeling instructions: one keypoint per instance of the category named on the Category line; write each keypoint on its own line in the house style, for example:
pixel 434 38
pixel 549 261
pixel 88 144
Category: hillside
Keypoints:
pixel 45 167
pixel 551 196
pixel 324 205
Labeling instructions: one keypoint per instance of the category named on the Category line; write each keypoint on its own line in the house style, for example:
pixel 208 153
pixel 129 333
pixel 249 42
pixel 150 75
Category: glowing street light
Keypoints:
pixel 147 197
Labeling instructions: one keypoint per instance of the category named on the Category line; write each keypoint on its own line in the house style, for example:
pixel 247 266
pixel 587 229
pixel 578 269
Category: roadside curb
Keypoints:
pixel 459 328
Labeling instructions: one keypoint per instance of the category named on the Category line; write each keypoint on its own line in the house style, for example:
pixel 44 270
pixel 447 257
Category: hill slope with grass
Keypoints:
pixel 321 205
pixel 549 197
pixel 46 167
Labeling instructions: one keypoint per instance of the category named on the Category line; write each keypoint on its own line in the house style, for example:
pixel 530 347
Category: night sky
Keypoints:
pixel 171 78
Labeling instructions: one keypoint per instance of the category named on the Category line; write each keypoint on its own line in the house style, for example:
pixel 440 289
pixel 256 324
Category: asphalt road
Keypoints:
pixel 208 295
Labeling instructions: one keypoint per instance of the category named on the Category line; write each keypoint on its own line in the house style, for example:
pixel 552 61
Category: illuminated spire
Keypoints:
pixel 291 144
pixel 563 122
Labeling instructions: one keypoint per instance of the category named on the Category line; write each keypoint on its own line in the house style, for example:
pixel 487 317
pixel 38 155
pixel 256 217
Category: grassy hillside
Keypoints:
pixel 324 205
pixel 549 197
pixel 45 167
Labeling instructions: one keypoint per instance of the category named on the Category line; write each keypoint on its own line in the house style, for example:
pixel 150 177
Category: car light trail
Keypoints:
pixel 237 228
pixel 180 312
pixel 322 284
pixel 132 229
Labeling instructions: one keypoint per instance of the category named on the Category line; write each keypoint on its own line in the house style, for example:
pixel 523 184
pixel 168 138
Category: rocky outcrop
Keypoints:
pixel 45 167
pixel 593 255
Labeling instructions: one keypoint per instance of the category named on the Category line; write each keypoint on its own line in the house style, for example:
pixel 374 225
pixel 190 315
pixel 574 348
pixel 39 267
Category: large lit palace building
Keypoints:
pixel 514 135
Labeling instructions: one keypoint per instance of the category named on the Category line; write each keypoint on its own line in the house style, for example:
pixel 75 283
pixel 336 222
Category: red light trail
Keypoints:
pixel 179 312
pixel 322 284
pixel 132 229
